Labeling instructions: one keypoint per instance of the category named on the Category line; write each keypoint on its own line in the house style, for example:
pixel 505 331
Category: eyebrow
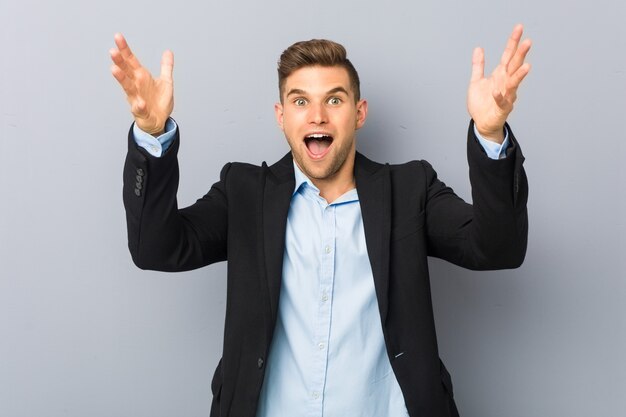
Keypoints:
pixel 332 91
pixel 295 91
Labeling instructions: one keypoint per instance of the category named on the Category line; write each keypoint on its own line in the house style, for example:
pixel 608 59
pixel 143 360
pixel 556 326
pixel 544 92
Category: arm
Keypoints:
pixel 160 236
pixel 492 232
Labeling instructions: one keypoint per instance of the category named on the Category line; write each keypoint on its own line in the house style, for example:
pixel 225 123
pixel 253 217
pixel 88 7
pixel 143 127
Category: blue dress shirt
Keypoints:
pixel 328 356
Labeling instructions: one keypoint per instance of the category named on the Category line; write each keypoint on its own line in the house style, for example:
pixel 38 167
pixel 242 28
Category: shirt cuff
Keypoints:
pixel 494 150
pixel 156 146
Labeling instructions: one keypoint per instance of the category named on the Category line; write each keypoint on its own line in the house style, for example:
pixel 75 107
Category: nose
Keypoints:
pixel 318 114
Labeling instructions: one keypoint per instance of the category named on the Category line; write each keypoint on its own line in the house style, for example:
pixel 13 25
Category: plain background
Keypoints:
pixel 83 332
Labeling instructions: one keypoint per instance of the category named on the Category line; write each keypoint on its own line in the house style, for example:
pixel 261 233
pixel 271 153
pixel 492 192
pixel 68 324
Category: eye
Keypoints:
pixel 299 102
pixel 334 101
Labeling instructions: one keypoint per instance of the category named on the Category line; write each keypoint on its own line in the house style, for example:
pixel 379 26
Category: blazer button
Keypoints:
pixel 139 178
pixel 140 172
pixel 260 363
pixel 137 192
pixel 138 185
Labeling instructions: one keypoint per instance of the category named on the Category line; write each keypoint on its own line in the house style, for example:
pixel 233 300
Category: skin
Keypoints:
pixel 490 99
pixel 151 99
pixel 319 99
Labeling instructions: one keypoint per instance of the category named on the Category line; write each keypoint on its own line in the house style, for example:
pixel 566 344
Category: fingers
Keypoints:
pixel 519 57
pixel 149 99
pixel 519 75
pixel 120 76
pixel 125 51
pixel 119 61
pixel 167 66
pixel 122 73
pixel 125 66
pixel 478 64
pixel 511 45
pixel 122 70
pixel 126 82
pixel 505 99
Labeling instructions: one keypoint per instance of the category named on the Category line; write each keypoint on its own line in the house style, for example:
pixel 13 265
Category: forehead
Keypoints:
pixel 317 79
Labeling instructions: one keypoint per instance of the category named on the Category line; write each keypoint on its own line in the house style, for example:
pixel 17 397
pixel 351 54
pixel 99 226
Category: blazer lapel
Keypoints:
pixel 278 189
pixel 374 187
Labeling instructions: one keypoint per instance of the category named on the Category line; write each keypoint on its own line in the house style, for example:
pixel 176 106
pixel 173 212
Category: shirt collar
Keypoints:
pixel 301 179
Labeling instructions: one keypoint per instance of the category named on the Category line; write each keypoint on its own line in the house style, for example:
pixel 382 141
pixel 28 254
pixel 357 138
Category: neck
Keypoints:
pixel 330 189
pixel 339 183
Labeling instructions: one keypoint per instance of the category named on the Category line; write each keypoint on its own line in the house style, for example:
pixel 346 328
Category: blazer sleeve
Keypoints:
pixel 492 232
pixel 160 236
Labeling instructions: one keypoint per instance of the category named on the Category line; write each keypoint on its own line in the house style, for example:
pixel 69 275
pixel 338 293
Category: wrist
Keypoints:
pixel 155 131
pixel 493 135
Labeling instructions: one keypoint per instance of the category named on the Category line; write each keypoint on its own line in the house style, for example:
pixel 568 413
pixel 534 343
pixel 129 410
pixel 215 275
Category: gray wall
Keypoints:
pixel 85 333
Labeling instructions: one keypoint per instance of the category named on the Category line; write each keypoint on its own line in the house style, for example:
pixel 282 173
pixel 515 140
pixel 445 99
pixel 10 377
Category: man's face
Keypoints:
pixel 320 118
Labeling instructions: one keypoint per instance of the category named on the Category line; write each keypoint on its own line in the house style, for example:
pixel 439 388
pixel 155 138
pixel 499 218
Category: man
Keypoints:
pixel 328 301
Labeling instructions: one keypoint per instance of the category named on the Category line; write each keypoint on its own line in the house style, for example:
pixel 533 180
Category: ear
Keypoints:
pixel 278 111
pixel 361 113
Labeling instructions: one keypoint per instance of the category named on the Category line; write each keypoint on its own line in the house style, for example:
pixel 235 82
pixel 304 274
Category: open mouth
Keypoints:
pixel 318 144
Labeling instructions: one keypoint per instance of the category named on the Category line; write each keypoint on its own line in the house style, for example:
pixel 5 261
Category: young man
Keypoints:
pixel 329 310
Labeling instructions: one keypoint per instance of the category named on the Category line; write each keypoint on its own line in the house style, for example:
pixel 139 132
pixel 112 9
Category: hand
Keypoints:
pixel 490 100
pixel 151 100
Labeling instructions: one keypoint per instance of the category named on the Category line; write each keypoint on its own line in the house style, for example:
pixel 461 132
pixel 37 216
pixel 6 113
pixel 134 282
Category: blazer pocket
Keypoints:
pixel 407 227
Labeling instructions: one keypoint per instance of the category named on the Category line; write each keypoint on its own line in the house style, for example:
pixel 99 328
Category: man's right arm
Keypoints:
pixel 160 236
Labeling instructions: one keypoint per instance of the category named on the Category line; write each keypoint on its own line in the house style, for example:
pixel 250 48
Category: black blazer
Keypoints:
pixel 408 214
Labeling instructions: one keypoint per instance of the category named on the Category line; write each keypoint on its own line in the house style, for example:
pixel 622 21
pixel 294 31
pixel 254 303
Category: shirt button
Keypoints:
pixel 327 249
pixel 325 297
pixel 321 346
pixel 316 395
pixel 155 149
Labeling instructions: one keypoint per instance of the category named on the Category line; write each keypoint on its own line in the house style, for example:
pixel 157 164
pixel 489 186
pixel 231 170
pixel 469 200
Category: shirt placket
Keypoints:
pixel 324 297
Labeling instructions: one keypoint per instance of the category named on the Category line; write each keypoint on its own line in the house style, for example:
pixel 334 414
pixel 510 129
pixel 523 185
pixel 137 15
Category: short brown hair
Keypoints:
pixel 320 52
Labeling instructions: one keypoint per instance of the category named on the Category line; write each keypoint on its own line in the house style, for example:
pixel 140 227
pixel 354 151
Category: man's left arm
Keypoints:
pixel 492 232
pixel 499 188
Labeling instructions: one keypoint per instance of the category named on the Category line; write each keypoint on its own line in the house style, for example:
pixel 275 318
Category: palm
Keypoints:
pixel 158 94
pixel 151 100
pixel 490 99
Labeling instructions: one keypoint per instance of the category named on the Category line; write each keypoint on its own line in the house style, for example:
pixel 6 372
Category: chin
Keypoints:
pixel 318 173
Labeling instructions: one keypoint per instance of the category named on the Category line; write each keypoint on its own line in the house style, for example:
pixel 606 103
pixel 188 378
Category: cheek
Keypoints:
pixel 289 131
pixel 292 122
pixel 349 125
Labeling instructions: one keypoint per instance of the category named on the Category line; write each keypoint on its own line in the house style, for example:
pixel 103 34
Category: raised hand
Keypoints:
pixel 490 100
pixel 151 100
